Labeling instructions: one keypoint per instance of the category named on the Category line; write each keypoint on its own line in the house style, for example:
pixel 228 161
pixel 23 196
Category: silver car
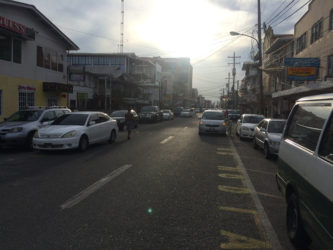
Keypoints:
pixel 19 128
pixel 212 121
pixel 267 135
pixel 246 124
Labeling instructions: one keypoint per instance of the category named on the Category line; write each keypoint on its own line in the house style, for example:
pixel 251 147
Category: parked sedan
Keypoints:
pixel 267 135
pixel 246 124
pixel 119 116
pixel 167 114
pixel 212 121
pixel 76 130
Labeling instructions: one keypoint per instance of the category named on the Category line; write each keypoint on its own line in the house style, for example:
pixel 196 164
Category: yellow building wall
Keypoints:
pixel 9 87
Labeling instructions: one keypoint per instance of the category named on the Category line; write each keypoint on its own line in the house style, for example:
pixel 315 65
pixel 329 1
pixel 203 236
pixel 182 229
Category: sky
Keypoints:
pixel 198 29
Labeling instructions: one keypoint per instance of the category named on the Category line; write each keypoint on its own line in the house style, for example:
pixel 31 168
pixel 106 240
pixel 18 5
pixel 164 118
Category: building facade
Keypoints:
pixel 32 59
pixel 313 38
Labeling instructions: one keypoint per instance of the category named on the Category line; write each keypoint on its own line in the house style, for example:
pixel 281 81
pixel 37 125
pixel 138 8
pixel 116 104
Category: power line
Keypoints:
pixel 278 14
pixel 294 12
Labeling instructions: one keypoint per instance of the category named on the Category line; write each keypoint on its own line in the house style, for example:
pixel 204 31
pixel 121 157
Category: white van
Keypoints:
pixel 305 172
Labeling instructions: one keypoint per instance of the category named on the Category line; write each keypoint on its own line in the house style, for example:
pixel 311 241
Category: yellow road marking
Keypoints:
pixel 235 190
pixel 270 195
pixel 239 210
pixel 259 171
pixel 224 153
pixel 237 241
pixel 232 176
pixel 224 168
pixel 224 149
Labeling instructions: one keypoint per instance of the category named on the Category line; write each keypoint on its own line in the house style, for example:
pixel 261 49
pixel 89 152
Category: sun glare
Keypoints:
pixel 182 28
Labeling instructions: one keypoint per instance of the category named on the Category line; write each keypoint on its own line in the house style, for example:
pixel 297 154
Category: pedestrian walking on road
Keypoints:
pixel 129 120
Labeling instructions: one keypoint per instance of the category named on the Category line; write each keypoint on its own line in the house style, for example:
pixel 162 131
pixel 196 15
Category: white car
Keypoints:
pixel 76 130
pixel 167 114
pixel 187 113
pixel 246 124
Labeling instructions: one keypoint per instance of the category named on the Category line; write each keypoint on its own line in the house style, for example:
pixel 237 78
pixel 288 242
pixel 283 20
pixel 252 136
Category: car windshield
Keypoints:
pixel 118 114
pixel 235 112
pixel 166 111
pixel 71 119
pixel 186 110
pixel 148 109
pixel 276 126
pixel 25 115
pixel 213 116
pixel 252 119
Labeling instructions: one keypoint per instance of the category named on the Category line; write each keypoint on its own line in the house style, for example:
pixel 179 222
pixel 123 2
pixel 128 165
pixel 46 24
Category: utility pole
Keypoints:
pixel 262 109
pixel 228 89
pixel 233 78
pixel 122 27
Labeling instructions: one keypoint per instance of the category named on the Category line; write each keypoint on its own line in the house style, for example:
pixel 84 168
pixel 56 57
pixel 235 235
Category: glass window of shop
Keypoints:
pixel 10 49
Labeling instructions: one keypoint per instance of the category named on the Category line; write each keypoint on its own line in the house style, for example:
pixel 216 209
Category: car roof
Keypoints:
pixel 87 112
pixel 275 120
pixel 252 115
pixel 214 110
pixel 328 96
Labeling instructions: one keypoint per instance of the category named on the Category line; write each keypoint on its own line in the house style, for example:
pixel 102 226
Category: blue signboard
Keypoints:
pixel 302 69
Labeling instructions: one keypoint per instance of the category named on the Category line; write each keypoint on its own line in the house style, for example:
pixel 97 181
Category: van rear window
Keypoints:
pixel 306 124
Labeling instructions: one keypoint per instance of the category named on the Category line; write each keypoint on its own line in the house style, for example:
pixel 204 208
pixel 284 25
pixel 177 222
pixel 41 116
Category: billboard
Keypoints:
pixel 302 69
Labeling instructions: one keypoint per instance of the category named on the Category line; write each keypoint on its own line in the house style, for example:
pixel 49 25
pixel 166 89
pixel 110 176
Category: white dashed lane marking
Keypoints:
pixel 167 139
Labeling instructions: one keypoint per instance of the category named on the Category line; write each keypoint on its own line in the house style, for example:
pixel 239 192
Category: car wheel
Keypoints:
pixel 266 151
pixel 295 229
pixel 255 145
pixel 83 144
pixel 28 142
pixel 113 137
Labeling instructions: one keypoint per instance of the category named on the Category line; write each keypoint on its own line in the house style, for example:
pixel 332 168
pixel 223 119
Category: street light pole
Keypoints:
pixel 260 62
pixel 233 33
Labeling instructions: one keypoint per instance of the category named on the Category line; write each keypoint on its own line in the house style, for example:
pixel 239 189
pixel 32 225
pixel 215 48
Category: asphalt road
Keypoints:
pixel 166 188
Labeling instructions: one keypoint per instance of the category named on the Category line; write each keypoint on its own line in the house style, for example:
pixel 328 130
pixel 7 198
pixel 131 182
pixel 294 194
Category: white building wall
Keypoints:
pixel 44 38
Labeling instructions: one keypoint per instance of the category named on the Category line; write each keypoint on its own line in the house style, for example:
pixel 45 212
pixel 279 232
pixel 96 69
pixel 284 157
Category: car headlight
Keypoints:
pixel 36 134
pixel 223 124
pixel 245 128
pixel 15 130
pixel 69 134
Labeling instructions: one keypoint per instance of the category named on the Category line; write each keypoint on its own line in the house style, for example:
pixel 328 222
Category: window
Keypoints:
pixel 330 65
pixel 331 20
pixel 40 56
pixel 102 118
pixel 52 101
pixel 49 116
pixel 54 65
pixel 317 31
pixel 60 63
pixel 301 43
pixel 84 60
pixel 306 124
pixel 17 51
pixel 0 102
pixel 26 98
pixel 5 48
pixel 326 146
pixel 47 58
pixel 101 60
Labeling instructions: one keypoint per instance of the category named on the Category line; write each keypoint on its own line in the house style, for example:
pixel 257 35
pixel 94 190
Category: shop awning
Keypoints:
pixel 57 87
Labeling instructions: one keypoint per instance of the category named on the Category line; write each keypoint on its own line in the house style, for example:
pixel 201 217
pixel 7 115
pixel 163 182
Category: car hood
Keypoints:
pixel 13 124
pixel 249 125
pixel 58 129
pixel 144 113
pixel 212 122
pixel 275 136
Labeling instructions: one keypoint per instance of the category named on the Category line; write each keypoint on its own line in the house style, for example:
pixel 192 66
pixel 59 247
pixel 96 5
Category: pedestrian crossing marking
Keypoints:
pixel 224 168
pixel 232 176
pixel 235 190
pixel 239 210
pixel 270 195
pixel 237 241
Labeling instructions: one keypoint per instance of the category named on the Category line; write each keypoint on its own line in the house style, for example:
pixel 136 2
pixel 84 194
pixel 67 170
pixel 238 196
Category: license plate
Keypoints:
pixel 211 129
pixel 47 145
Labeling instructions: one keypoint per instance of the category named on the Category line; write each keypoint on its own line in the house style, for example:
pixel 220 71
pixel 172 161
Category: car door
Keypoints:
pixel 262 133
pixel 104 126
pixel 92 128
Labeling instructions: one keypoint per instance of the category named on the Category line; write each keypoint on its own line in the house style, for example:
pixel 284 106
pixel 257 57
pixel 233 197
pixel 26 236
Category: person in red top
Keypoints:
pixel 129 120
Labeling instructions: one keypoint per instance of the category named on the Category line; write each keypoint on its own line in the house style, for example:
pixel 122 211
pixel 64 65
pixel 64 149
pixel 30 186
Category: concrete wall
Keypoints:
pixel 323 46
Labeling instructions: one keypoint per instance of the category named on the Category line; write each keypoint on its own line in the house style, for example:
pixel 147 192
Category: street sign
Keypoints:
pixel 302 69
